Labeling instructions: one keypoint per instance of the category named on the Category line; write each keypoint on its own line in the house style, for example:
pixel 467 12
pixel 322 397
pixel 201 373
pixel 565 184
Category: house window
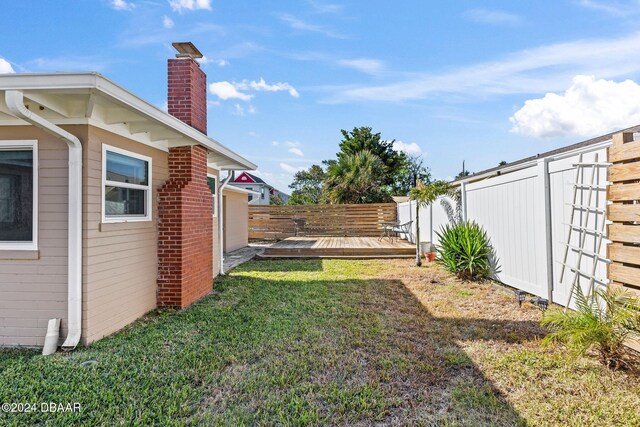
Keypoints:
pixel 250 197
pixel 213 185
pixel 262 193
pixel 18 195
pixel 126 180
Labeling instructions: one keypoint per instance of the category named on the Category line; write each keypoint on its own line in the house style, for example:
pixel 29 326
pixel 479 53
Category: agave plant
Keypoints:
pixel 604 320
pixel 465 250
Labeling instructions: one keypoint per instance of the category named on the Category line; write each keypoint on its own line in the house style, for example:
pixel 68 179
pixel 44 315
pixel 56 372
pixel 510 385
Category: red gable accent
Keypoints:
pixel 243 177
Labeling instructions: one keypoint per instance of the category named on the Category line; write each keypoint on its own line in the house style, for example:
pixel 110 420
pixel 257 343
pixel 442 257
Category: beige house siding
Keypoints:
pixel 216 234
pixel 33 284
pixel 236 220
pixel 120 259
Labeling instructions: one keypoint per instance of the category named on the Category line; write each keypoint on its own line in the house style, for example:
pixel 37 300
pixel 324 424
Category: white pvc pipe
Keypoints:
pixel 15 102
pixel 51 339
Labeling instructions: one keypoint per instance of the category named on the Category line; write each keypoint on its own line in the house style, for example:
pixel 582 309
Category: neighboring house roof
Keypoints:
pixel 90 98
pixel 246 177
pixel 508 166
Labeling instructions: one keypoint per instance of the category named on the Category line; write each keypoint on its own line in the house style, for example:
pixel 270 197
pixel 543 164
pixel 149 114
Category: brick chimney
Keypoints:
pixel 185 202
pixel 187 88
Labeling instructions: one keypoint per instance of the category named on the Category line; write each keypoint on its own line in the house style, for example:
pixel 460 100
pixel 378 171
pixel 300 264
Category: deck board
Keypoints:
pixel 339 247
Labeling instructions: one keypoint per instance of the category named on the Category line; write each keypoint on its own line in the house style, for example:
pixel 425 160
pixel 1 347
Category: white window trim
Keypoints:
pixel 33 145
pixel 215 196
pixel 148 188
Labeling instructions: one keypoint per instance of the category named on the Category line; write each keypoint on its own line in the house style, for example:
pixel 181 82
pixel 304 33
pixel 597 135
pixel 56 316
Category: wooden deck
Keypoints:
pixel 339 247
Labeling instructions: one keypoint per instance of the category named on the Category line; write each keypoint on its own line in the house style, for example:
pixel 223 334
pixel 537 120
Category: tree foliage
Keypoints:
pixel 413 170
pixel 307 186
pixel 276 200
pixel 367 169
pixel 356 178
pixel 426 194
pixel 363 139
pixel 604 320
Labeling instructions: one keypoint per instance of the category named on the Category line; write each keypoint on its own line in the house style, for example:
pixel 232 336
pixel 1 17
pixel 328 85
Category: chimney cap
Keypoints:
pixel 186 50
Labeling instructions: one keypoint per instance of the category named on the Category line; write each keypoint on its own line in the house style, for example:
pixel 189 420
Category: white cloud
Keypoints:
pixel 226 90
pixel 300 25
pixel 290 169
pixel 275 143
pixel 5 67
pixel 622 8
pixel 233 90
pixel 261 85
pixel 296 151
pixel 366 65
pixel 182 5
pixel 167 22
pixel 325 7
pixel 410 148
pixel 71 63
pixel 494 17
pixel 240 110
pixel 219 62
pixel 530 71
pixel 292 143
pixel 588 107
pixel 122 5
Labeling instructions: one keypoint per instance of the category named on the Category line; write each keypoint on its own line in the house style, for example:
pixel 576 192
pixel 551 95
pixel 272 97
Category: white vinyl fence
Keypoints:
pixel 526 211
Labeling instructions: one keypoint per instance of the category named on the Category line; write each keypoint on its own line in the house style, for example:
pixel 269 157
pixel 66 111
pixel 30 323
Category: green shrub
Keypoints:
pixel 465 250
pixel 604 320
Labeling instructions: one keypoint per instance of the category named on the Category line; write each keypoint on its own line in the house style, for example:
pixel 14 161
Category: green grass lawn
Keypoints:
pixel 327 342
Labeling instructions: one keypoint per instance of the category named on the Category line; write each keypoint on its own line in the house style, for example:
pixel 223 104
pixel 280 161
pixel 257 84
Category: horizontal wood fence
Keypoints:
pixel 624 212
pixel 277 222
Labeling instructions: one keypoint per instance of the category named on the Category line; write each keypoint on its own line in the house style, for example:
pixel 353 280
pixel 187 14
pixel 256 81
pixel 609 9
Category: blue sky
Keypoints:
pixel 460 80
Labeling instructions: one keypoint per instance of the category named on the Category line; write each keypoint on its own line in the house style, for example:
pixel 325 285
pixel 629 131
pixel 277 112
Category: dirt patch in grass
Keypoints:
pixel 331 342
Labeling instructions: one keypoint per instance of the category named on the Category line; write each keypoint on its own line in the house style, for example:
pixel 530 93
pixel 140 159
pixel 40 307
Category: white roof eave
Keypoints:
pixel 119 95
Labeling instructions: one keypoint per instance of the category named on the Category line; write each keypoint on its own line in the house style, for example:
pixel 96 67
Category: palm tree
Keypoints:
pixel 424 195
pixel 357 178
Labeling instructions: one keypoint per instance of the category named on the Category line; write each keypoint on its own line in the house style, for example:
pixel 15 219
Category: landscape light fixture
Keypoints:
pixel 542 303
pixel 520 296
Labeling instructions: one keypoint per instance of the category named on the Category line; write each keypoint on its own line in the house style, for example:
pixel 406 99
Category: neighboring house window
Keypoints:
pixel 126 180
pixel 213 182
pixel 18 195
pixel 262 195
pixel 250 197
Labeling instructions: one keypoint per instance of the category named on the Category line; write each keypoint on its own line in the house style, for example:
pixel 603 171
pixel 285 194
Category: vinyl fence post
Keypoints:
pixel 543 220
pixel 463 201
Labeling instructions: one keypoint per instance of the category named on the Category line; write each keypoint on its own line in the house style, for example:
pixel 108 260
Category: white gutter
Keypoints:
pixel 15 102
pixel 221 221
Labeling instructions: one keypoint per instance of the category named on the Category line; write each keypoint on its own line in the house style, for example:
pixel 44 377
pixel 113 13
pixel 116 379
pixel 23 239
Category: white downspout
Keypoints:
pixel 221 220
pixel 15 101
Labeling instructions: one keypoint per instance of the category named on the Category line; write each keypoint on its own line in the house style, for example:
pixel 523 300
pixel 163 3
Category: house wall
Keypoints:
pixel 257 187
pixel 120 259
pixel 236 221
pixel 33 284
